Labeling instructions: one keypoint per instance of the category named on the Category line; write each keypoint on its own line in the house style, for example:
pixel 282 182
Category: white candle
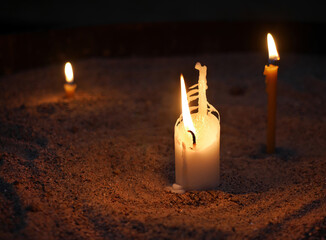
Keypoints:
pixel 197 139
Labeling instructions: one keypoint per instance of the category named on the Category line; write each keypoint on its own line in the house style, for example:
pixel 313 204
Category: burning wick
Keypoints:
pixel 69 86
pixel 193 138
pixel 273 62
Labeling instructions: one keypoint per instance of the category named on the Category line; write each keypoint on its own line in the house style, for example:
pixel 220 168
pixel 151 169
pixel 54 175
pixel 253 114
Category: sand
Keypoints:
pixel 97 166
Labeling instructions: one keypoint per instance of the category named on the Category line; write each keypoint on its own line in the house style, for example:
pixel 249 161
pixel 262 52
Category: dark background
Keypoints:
pixel 36 33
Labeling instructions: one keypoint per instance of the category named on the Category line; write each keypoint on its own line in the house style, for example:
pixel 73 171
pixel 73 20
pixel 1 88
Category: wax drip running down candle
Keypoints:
pixel 197 139
pixel 69 86
pixel 271 86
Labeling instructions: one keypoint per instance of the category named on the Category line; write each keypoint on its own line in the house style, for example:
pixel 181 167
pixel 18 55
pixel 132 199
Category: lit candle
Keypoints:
pixel 197 139
pixel 69 86
pixel 271 85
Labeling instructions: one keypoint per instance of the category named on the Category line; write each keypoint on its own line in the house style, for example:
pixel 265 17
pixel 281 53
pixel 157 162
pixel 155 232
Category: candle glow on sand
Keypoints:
pixel 197 139
pixel 69 86
pixel 271 86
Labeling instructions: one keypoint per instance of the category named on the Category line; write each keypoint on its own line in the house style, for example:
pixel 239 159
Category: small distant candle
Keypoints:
pixel 197 139
pixel 271 86
pixel 69 86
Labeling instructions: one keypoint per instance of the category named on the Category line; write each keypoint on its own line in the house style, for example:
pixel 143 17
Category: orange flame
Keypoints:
pixel 187 121
pixel 69 73
pixel 272 51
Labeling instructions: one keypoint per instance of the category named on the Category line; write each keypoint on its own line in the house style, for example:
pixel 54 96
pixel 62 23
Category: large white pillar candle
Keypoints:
pixel 197 139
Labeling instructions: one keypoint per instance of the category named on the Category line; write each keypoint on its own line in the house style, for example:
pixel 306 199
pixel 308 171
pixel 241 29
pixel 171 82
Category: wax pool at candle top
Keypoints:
pixel 207 127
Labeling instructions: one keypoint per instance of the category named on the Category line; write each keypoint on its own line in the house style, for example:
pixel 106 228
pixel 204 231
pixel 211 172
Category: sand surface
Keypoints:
pixel 96 166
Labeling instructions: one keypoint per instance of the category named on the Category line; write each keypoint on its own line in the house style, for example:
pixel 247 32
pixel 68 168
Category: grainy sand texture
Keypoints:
pixel 96 166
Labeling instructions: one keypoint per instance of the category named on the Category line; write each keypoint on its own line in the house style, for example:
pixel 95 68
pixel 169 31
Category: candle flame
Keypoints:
pixel 187 121
pixel 69 73
pixel 272 51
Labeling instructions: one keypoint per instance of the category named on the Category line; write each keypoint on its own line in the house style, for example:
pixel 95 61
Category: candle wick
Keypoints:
pixel 273 61
pixel 193 138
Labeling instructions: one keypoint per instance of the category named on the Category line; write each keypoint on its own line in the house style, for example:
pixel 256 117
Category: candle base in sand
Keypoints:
pixel 70 89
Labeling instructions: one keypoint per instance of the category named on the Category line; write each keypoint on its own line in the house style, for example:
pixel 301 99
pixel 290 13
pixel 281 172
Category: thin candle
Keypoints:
pixel 69 86
pixel 196 139
pixel 271 88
